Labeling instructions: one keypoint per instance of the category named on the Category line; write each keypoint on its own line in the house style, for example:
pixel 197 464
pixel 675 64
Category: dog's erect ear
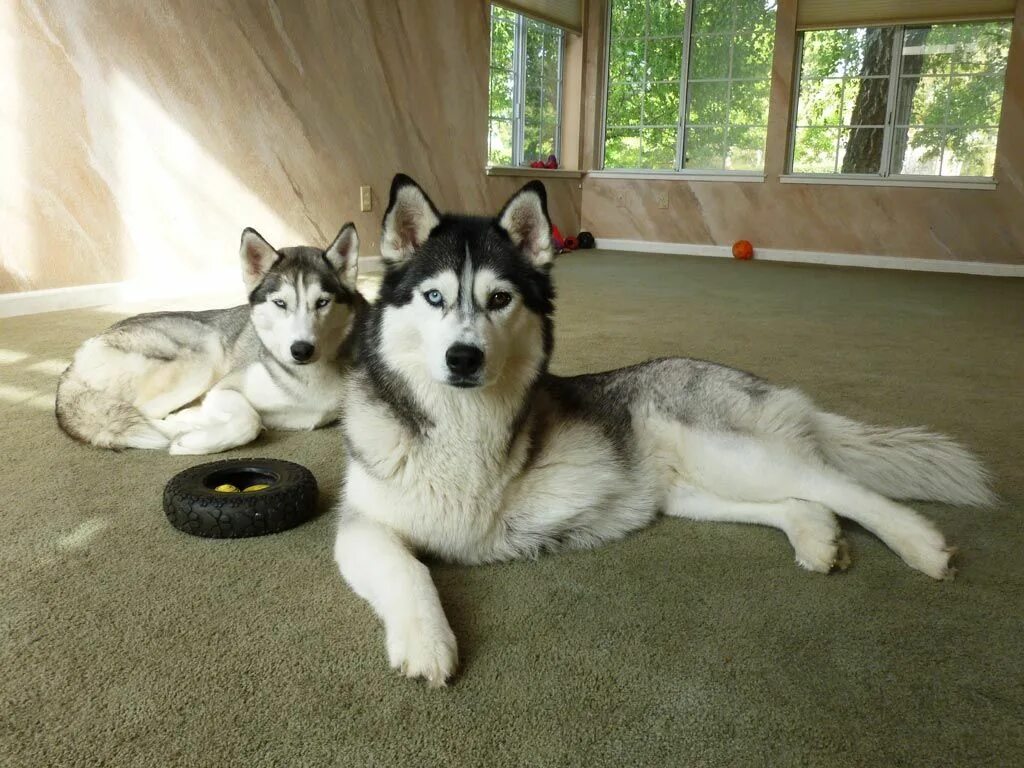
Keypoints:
pixel 525 218
pixel 343 255
pixel 257 255
pixel 408 221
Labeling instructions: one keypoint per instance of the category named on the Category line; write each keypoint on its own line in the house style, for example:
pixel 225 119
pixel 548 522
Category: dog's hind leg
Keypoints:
pixel 811 528
pixel 904 531
pixel 230 421
pixel 758 470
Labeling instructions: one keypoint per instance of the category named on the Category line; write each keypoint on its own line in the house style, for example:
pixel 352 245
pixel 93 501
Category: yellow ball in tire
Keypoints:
pixel 257 487
pixel 227 488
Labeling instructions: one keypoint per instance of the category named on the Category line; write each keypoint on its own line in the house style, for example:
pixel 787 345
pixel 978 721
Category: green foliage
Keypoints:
pixel 729 69
pixel 948 101
pixel 541 54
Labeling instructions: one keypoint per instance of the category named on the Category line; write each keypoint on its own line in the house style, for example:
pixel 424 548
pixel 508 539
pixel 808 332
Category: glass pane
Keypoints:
pixel 746 149
pixel 815 150
pixel 820 102
pixel 502 44
pixel 970 152
pixel 860 150
pixel 629 18
pixel 865 101
pixel 981 47
pixel 624 104
pixel 500 103
pixel 754 15
pixel 658 147
pixel 664 59
pixel 626 61
pixel 927 51
pixel 709 57
pixel 748 103
pixel 752 55
pixel 917 151
pixel 661 104
pixel 712 16
pixel 499 142
pixel 666 18
pixel 622 148
pixel 845 52
pixel 705 149
pixel 708 103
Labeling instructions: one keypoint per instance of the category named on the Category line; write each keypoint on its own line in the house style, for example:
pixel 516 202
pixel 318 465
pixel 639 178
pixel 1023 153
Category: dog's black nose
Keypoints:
pixel 463 359
pixel 302 351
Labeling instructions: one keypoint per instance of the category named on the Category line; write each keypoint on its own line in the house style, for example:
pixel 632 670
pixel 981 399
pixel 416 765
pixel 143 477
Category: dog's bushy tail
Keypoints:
pixel 96 418
pixel 904 463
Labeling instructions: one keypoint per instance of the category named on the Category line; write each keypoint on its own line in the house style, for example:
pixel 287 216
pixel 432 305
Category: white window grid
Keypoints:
pixel 896 133
pixel 686 35
pixel 518 120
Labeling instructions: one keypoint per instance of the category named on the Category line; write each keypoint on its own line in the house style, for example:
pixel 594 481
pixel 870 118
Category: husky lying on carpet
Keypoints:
pixel 463 446
pixel 276 362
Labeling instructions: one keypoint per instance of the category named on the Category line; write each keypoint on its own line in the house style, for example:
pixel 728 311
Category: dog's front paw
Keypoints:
pixel 423 648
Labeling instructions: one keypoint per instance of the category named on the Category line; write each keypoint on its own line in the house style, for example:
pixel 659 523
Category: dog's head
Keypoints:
pixel 302 298
pixel 466 301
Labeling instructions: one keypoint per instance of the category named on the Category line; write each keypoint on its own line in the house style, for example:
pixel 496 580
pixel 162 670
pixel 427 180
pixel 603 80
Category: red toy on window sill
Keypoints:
pixel 551 163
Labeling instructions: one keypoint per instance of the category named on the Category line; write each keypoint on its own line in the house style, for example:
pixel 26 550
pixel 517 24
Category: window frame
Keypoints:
pixel 696 174
pixel 519 87
pixel 885 176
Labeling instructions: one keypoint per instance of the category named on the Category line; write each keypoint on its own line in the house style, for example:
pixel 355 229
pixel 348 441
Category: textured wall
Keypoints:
pixel 139 138
pixel 972 225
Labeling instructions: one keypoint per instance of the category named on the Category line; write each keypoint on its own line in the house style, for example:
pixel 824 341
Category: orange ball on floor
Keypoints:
pixel 742 249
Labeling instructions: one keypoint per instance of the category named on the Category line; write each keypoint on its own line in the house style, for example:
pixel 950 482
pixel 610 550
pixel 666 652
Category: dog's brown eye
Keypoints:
pixel 498 300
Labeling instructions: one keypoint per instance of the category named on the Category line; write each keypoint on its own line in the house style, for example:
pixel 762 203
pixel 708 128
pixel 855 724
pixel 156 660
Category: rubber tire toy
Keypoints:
pixel 193 506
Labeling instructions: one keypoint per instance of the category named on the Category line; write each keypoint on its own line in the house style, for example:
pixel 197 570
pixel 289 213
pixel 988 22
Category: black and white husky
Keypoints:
pixel 463 446
pixel 278 361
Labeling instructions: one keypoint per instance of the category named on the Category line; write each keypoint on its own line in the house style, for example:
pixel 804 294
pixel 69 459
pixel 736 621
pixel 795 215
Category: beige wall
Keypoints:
pixel 972 225
pixel 139 138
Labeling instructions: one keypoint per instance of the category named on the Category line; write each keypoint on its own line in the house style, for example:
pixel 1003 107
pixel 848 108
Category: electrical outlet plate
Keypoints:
pixel 620 199
pixel 662 199
pixel 365 199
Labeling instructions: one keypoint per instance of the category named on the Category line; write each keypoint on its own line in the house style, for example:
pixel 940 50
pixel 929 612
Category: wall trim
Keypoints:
pixel 99 294
pixel 821 257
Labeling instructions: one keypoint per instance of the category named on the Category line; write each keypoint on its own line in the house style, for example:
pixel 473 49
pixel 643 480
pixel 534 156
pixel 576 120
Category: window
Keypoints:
pixel 912 101
pixel 714 57
pixel 525 112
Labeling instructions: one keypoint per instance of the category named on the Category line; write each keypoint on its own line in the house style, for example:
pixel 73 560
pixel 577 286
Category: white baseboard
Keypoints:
pixel 132 291
pixel 821 257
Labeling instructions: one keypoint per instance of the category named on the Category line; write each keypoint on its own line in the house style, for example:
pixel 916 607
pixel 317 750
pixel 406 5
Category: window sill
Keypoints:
pixel 539 173
pixel 720 176
pixel 933 182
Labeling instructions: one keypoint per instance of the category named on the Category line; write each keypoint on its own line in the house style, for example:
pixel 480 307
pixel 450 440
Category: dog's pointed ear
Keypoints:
pixel 257 255
pixel 408 221
pixel 343 255
pixel 525 219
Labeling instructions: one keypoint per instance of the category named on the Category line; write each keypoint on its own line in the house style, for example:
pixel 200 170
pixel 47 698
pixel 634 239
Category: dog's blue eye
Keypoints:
pixel 434 298
pixel 321 303
pixel 280 303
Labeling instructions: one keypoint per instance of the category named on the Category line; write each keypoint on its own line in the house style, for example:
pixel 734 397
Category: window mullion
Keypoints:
pixel 684 73
pixel 889 130
pixel 518 94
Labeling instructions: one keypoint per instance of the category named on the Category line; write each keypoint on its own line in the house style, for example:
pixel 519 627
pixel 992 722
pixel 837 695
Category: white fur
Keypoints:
pixel 120 398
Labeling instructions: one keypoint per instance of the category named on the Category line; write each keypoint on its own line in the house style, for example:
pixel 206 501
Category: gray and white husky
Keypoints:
pixel 278 361
pixel 463 446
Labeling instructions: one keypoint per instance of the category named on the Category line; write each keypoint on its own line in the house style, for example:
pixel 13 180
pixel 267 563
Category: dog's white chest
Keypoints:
pixel 303 399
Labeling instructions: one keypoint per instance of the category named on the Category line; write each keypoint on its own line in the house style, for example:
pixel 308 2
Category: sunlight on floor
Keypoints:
pixel 82 534
pixel 51 367
pixel 13 395
pixel 10 356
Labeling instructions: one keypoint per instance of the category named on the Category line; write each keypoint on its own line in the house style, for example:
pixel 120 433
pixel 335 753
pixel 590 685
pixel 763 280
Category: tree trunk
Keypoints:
pixel 864 152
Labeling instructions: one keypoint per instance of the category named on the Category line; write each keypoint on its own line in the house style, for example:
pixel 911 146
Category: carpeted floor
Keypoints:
pixel 126 643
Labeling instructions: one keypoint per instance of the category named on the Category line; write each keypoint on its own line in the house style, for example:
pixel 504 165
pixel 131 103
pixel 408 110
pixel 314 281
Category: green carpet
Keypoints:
pixel 126 643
